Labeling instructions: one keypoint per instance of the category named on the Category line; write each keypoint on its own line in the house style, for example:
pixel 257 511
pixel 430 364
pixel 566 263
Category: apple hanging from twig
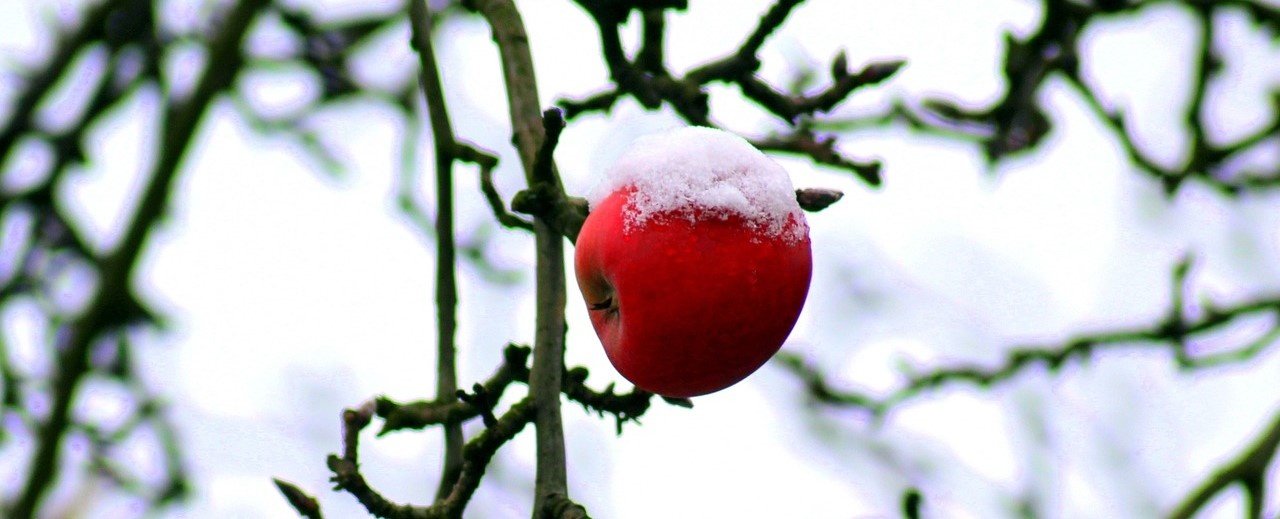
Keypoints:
pixel 694 261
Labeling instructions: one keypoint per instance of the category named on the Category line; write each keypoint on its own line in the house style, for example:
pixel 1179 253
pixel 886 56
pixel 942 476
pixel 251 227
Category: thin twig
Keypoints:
pixel 418 415
pixel 446 259
pixel 823 151
pixel 1249 469
pixel 1172 333
pixel 487 162
pixel 648 81
pixel 41 84
pixel 476 456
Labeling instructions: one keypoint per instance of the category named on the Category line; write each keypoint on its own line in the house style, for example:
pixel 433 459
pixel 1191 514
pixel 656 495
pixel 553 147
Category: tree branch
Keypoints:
pixel 548 350
pixel 41 84
pixel 1172 333
pixel 446 262
pixel 449 409
pixel 821 150
pixel 486 162
pixel 476 456
pixel 1249 469
pixel 181 119
pixel 650 83
pixel 544 198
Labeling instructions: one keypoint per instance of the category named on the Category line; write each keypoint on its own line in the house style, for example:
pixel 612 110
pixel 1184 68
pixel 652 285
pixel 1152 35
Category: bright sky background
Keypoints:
pixel 294 294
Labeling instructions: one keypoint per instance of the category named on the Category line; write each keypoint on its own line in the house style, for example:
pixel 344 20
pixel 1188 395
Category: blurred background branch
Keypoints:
pixel 1249 470
pixel 1177 333
pixel 1017 122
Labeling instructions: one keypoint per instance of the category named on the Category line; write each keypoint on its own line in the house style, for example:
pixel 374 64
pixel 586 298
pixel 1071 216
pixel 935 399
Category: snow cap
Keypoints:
pixel 710 171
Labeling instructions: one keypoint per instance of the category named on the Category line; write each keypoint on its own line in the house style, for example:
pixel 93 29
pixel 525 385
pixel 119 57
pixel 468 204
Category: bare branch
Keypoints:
pixel 487 162
pixel 548 350
pixel 446 259
pixel 744 61
pixel 823 151
pixel 346 470
pixel 651 84
pixel 480 450
pixel 418 415
pixel 544 198
pixel 476 456
pixel 1249 469
pixel 181 118
pixel 1172 333
pixel 41 83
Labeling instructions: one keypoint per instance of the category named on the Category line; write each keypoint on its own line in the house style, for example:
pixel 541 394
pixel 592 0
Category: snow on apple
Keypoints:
pixel 694 261
pixel 708 171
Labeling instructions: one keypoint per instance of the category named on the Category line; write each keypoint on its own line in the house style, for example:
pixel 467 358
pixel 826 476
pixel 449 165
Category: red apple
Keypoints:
pixel 691 289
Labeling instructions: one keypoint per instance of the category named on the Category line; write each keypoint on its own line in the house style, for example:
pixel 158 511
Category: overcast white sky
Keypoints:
pixel 295 294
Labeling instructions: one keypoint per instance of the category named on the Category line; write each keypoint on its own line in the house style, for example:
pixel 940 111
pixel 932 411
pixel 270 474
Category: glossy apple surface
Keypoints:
pixel 689 304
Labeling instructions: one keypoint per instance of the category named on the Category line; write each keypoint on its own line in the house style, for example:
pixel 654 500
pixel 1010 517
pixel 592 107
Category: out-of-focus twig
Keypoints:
pixel 1017 121
pixel 1248 469
pixel 446 284
pixel 1173 333
pixel 181 118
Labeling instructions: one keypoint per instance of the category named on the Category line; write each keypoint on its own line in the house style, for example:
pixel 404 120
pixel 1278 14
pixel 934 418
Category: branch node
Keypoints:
pixel 480 399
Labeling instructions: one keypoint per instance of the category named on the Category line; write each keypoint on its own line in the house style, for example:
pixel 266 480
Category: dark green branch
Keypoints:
pixel 1249 469
pixel 41 83
pixel 446 259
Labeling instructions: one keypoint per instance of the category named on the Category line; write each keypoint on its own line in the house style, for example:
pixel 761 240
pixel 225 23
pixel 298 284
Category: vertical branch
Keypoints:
pixel 649 58
pixel 446 284
pixel 1207 65
pixel 179 122
pixel 548 351
pixel 548 364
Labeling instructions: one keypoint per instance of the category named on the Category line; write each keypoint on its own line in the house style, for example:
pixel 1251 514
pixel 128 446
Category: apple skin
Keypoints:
pixel 689 306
